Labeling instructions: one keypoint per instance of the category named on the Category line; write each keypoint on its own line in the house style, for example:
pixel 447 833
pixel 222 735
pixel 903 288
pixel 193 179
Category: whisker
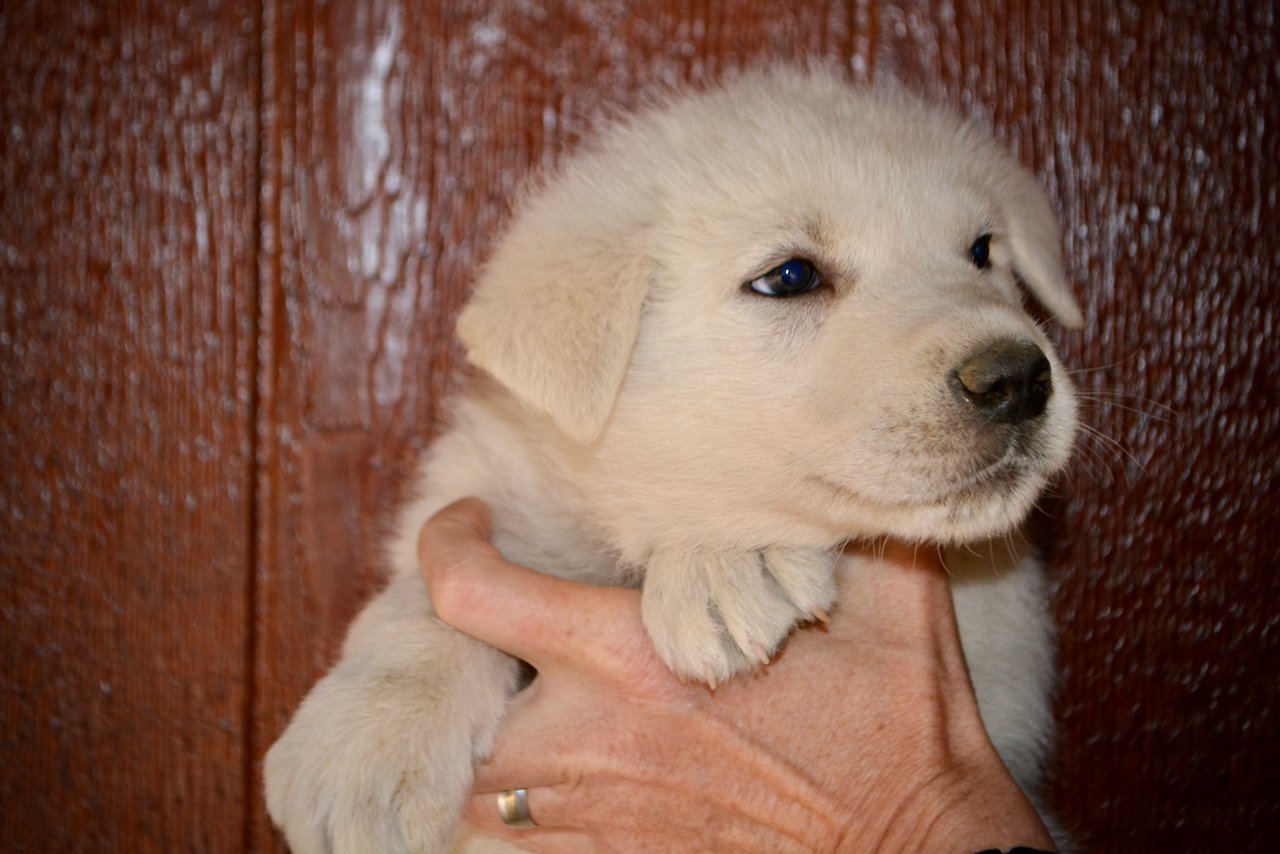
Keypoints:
pixel 1010 551
pixel 1102 443
pixel 942 559
pixel 1109 399
pixel 1098 467
pixel 1114 444
pixel 1094 369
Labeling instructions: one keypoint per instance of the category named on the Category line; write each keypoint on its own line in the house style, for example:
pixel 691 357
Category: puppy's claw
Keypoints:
pixel 712 614
pixel 820 615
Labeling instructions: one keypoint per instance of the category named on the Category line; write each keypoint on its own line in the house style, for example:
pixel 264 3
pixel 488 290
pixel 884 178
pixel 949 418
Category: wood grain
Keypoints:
pixel 233 239
pixel 127 326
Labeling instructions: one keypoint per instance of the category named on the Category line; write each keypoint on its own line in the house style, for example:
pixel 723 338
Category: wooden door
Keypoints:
pixel 233 238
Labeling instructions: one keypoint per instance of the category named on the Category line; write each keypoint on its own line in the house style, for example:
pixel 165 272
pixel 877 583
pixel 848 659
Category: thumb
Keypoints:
pixel 539 618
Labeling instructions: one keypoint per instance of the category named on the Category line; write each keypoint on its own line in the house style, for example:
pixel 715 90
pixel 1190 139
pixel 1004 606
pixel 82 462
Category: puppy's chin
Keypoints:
pixel 989 510
pixel 991 507
pixel 959 495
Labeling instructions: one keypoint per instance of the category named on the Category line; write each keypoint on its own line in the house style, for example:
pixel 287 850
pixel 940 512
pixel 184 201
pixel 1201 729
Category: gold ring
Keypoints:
pixel 513 806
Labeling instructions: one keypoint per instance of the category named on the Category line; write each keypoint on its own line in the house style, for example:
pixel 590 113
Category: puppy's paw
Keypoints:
pixel 379 756
pixel 713 614
pixel 353 772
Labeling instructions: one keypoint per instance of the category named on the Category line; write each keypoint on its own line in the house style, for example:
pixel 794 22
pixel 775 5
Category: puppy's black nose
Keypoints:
pixel 1006 381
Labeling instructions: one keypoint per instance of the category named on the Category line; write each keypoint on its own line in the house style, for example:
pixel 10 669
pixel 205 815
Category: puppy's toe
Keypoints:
pixel 806 576
pixel 753 607
pixel 713 614
pixel 684 621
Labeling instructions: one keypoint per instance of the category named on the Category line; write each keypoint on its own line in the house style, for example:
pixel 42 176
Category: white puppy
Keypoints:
pixel 736 332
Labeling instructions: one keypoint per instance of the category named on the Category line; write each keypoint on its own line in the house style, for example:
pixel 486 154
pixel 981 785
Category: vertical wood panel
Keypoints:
pixel 1172 690
pixel 126 340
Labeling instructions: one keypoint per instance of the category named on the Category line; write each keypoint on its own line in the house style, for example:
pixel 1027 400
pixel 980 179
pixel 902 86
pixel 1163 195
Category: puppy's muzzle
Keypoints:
pixel 1006 381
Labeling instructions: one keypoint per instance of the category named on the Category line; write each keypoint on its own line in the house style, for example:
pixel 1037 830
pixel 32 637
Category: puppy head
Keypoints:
pixel 775 311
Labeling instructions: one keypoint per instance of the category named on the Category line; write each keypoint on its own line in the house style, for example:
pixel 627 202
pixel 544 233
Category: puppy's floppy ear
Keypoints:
pixel 1037 255
pixel 555 316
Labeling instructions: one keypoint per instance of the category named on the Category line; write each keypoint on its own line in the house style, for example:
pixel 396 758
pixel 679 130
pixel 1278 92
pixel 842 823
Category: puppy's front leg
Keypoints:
pixel 379 756
pixel 712 614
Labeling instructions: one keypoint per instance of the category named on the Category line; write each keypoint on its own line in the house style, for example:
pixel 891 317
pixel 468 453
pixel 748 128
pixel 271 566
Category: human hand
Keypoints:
pixel 862 735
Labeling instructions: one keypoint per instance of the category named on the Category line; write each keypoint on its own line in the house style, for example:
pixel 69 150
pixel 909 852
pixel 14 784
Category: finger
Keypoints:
pixel 547 807
pixel 533 839
pixel 530 747
pixel 536 617
pixel 455 535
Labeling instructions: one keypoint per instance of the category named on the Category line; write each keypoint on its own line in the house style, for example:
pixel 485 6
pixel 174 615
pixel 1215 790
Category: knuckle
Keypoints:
pixel 453 588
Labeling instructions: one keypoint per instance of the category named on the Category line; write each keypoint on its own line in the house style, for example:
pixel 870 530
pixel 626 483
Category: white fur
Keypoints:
pixel 640 415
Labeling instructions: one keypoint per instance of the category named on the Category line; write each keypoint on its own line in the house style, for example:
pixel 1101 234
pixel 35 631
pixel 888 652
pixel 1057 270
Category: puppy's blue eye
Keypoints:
pixel 796 276
pixel 980 252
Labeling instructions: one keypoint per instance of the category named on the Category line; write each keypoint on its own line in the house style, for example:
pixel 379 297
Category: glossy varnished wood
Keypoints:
pixel 127 334
pixel 233 238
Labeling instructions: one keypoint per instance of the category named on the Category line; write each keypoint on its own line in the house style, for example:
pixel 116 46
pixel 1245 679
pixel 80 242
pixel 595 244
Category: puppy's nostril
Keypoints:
pixel 1006 381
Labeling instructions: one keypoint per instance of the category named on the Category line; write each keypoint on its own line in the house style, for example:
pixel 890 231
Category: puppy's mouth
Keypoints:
pixel 999 476
pixel 984 500
pixel 1003 475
